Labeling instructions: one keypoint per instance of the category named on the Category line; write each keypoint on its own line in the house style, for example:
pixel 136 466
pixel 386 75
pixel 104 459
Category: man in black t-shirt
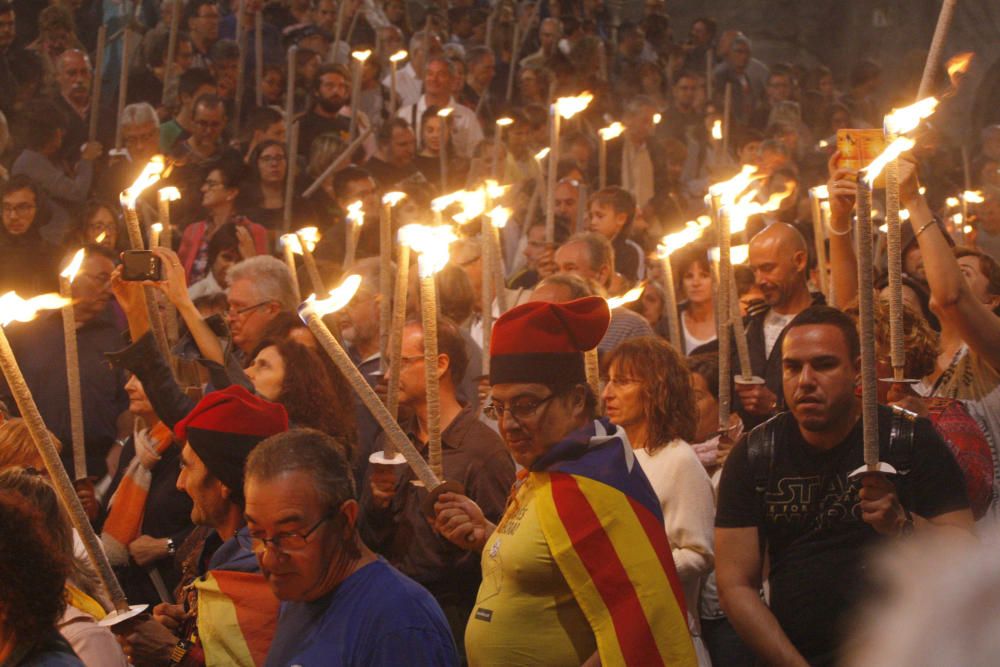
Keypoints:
pixel 817 523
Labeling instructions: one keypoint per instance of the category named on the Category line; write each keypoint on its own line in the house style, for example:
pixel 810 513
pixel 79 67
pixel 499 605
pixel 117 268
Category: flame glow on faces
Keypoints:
pixel 627 297
pixel 393 198
pixel 738 254
pixel 15 309
pixel 431 243
pixel 361 56
pixel 356 213
pixel 340 296
pixel 717 130
pixel 69 273
pixel 149 175
pixel 567 107
pixel 169 193
pixel 973 197
pixel 611 131
pixel 291 241
pixel 907 119
pixel 397 56
pixel 499 216
pixel 308 236
pixel 693 231
pixel 892 151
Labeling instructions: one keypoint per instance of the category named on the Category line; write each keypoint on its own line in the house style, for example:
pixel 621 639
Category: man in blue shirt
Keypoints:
pixel 341 604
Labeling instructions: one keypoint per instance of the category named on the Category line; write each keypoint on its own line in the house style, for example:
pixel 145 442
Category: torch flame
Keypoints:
pixel 431 242
pixel 15 309
pixel 717 130
pixel 738 254
pixel 169 193
pixel 741 211
pixel 149 175
pixel 567 107
pixel 393 198
pixel 473 204
pixel 958 65
pixel 505 121
pixel 892 151
pixel 356 213
pixel 494 190
pixel 973 197
pixel 952 202
pixel 820 192
pixel 157 227
pixel 499 216
pixel 542 154
pixel 657 117
pixel 444 113
pixel 69 273
pixel 729 190
pixel 291 241
pixel 905 120
pixel 361 56
pixel 671 243
pixel 611 131
pixel 627 297
pixel 397 56
pixel 100 237
pixel 444 201
pixel 339 297
pixel 309 236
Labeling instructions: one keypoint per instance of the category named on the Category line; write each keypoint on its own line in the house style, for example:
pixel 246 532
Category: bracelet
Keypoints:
pixel 926 225
pixel 836 233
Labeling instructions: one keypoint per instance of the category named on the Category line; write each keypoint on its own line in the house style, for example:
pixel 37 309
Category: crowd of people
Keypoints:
pixel 237 481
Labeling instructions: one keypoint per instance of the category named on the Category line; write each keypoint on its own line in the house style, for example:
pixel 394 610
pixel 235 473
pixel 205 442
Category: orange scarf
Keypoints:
pixel 128 505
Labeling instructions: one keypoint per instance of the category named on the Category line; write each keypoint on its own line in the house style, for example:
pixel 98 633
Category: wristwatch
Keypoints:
pixel 172 547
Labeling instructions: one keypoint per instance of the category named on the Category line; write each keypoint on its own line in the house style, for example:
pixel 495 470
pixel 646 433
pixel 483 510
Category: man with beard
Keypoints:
pixel 787 493
pixel 331 112
pixel 779 259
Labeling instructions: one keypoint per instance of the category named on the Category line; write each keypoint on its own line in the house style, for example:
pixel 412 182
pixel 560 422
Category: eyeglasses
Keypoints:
pixel 213 184
pixel 271 159
pixel 621 382
pixel 237 312
pixel 19 209
pixel 283 542
pixel 519 409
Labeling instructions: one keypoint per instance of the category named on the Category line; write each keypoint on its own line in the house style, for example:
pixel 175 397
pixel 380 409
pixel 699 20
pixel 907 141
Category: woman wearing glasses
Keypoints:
pixel 218 197
pixel 264 197
pixel 649 394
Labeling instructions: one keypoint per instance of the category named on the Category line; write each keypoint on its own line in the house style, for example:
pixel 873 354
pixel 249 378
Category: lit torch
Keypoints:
pixel 608 133
pixel 564 107
pixel 308 238
pixel 73 365
pixel 356 219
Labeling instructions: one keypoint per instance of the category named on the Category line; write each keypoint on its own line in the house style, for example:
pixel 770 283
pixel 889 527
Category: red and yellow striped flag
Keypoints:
pixel 237 617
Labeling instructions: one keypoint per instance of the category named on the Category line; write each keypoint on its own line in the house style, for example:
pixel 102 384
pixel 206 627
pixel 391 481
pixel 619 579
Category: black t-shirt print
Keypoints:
pixel 812 522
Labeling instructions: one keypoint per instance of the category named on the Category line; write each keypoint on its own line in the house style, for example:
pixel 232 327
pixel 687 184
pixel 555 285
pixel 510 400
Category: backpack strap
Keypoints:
pixel 761 443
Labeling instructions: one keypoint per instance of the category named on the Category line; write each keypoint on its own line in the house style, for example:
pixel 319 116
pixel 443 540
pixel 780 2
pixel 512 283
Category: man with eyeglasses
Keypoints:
pixel 39 346
pixel 341 604
pixel 259 289
pixel 202 20
pixel 393 522
pixel 583 529
pixel 28 263
pixel 221 578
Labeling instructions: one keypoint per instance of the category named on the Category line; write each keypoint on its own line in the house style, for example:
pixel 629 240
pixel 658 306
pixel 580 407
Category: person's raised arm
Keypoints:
pixel 954 301
pixel 737 571
pixel 843 189
pixel 129 297
pixel 174 286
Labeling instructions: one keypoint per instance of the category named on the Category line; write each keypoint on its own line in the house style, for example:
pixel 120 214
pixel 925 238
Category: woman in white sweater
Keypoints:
pixel 649 395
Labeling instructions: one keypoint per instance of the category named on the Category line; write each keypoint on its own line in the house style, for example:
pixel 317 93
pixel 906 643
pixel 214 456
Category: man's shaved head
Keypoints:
pixel 779 258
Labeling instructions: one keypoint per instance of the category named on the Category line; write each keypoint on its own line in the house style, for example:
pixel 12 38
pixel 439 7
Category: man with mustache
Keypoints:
pixel 331 110
pixel 779 258
pixel 787 492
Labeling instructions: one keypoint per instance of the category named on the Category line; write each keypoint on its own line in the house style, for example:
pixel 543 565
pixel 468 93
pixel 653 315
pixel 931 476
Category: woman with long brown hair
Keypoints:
pixel 649 394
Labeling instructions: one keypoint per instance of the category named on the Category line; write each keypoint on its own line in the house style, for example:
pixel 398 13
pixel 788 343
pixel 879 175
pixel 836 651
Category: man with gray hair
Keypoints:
pixel 736 71
pixel 423 46
pixel 549 33
pixel 342 604
pixel 439 76
pixel 591 257
pixel 74 78
pixel 141 138
pixel 259 288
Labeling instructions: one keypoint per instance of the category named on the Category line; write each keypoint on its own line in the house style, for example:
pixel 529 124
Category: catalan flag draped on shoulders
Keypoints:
pixel 580 561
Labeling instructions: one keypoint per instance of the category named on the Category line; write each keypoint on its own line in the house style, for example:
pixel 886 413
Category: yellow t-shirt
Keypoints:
pixel 525 613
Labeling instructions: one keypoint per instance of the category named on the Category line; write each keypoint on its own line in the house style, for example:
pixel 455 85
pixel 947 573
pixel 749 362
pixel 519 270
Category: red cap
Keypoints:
pixel 224 428
pixel 544 342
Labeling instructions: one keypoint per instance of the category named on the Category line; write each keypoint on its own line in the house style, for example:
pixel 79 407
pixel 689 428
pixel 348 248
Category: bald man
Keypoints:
pixel 779 258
